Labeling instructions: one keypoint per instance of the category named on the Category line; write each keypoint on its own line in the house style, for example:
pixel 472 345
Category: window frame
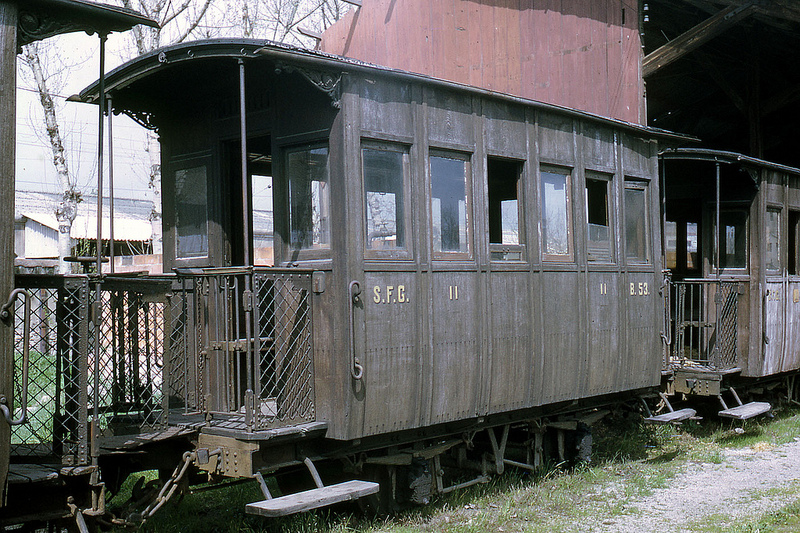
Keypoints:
pixel 568 173
pixel 444 255
pixel 793 242
pixel 609 179
pixel 500 248
pixel 778 210
pixel 293 253
pixel 637 184
pixel 407 252
pixel 184 164
pixel 731 208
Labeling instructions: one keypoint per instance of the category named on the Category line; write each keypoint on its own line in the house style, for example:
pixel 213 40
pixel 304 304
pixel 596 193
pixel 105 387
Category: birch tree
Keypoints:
pixel 67 208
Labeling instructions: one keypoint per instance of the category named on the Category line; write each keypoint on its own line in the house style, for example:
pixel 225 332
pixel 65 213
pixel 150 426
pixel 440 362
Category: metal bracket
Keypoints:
pixel 327 82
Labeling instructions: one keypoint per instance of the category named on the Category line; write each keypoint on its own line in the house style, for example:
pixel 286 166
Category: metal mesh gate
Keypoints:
pixel 57 391
pixel 704 323
pixel 247 346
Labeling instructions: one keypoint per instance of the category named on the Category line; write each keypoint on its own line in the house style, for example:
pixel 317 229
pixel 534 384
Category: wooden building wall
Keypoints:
pixel 582 54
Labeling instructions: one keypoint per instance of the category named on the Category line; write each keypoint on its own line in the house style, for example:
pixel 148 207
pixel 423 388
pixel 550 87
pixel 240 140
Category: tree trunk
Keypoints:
pixel 67 209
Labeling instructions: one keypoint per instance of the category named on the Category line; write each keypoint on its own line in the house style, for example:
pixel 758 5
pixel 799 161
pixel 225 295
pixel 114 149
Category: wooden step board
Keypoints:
pixel 673 416
pixel 312 499
pixel 748 410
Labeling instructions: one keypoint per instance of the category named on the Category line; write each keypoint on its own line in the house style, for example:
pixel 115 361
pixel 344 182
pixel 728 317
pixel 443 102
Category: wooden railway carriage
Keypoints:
pixel 367 258
pixel 736 292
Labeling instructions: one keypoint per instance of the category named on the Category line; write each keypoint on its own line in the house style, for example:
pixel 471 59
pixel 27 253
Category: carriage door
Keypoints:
pixel 683 244
pixel 259 182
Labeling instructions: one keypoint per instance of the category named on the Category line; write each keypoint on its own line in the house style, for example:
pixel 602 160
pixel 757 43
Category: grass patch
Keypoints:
pixel 630 461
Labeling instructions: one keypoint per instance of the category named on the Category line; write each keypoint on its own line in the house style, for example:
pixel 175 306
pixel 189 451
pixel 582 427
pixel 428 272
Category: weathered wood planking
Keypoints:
pixel 576 54
pixel 474 335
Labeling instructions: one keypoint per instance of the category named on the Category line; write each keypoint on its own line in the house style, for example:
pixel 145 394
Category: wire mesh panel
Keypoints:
pixel 286 373
pixel 130 357
pixel 181 390
pixel 57 382
pixel 705 323
pixel 247 345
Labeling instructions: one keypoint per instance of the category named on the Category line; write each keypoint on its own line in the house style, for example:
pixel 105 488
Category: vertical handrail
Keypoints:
pixel 6 314
pixel 356 369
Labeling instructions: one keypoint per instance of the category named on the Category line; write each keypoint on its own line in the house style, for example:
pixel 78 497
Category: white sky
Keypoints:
pixel 78 127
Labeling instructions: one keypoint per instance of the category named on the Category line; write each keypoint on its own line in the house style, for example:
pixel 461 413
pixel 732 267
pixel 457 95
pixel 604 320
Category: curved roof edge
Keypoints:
pixel 722 156
pixel 39 19
pixel 143 65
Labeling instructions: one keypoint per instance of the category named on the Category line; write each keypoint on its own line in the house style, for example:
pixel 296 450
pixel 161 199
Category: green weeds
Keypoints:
pixel 630 461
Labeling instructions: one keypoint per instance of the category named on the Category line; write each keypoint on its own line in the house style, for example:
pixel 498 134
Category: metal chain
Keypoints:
pixel 166 492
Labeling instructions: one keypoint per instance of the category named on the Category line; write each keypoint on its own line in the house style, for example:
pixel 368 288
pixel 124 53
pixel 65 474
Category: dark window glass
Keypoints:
pixel 505 209
pixel 636 223
pixel 309 198
pixel 450 205
pixel 191 213
pixel 384 198
pixel 598 219
pixel 733 238
pixel 794 234
pixel 556 220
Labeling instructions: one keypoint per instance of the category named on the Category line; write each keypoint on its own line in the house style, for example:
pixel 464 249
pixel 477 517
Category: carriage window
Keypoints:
pixel 556 219
pixel 671 244
pixel 794 234
pixel 191 213
pixel 450 206
pixel 262 220
pixel 692 259
pixel 636 224
pixel 384 202
pixel 309 198
pixel 505 230
pixel 598 218
pixel 773 251
pixel 733 238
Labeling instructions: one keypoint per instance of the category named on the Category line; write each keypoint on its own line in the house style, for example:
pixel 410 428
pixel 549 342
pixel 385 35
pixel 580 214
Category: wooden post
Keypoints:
pixel 8 89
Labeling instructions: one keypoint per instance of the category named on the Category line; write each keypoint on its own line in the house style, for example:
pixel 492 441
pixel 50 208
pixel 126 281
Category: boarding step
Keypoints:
pixel 312 499
pixel 748 410
pixel 673 416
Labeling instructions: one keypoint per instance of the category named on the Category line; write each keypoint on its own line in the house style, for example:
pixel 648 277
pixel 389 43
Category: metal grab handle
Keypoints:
pixel 666 292
pixel 6 314
pixel 356 370
pixel 765 317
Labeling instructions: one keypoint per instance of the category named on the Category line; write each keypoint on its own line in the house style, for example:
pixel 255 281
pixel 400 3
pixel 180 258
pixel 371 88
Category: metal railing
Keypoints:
pixel 242 346
pixel 61 398
pixel 232 344
pixel 704 326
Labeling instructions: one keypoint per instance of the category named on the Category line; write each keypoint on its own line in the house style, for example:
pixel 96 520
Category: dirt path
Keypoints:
pixel 746 483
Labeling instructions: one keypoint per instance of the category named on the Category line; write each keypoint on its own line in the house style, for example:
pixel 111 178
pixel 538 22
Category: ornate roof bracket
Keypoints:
pixel 327 82
pixel 143 119
pixel 35 26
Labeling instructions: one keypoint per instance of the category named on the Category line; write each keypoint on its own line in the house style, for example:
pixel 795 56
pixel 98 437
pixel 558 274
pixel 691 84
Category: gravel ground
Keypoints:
pixel 747 482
